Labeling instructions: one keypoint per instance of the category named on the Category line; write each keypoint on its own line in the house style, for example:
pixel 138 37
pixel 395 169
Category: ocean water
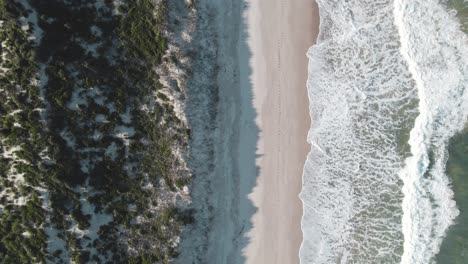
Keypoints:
pixel 387 89
pixel 454 248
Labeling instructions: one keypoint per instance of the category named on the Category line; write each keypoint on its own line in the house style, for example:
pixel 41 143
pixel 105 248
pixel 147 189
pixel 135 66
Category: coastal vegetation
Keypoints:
pixel 88 165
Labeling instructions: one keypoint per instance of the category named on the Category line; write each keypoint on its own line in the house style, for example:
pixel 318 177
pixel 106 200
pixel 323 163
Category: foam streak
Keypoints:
pixel 434 49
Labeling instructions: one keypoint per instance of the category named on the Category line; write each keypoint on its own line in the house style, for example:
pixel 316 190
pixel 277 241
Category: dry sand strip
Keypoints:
pixel 280 33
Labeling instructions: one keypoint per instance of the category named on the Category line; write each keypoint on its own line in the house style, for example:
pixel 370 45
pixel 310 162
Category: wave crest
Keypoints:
pixel 436 52
pixel 364 99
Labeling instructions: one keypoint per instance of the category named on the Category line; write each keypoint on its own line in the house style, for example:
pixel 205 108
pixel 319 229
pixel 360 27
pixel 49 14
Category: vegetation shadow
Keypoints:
pixel 224 136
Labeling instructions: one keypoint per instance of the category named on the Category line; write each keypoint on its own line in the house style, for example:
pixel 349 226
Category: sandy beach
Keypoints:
pixel 280 33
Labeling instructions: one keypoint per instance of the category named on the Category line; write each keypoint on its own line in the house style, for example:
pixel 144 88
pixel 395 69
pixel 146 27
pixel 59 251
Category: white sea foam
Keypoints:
pixel 437 55
pixel 367 73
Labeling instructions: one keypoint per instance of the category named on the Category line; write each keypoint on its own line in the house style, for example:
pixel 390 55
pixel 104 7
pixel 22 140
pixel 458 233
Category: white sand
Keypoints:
pixel 280 33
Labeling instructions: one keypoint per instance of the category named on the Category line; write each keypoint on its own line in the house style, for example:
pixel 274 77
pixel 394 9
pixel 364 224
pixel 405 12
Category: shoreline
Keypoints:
pixel 279 74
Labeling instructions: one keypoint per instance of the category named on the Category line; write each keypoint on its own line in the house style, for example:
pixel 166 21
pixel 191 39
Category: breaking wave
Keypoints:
pixel 387 90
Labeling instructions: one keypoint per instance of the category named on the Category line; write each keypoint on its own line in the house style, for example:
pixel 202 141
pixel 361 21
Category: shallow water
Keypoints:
pixel 387 91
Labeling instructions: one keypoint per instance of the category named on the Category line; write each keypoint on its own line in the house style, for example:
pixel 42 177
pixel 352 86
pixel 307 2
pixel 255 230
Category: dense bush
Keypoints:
pixel 118 78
